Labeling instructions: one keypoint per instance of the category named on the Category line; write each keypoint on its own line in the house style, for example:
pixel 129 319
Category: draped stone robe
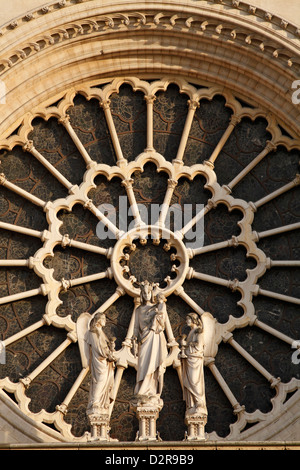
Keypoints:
pixel 152 351
pixel 102 372
pixel 193 373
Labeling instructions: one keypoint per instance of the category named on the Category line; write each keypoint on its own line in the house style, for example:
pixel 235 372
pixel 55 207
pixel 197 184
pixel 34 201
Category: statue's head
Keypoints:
pixel 194 318
pixel 161 297
pixel 146 291
pixel 97 321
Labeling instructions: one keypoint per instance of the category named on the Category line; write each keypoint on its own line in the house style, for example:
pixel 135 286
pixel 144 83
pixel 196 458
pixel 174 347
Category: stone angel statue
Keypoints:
pixel 97 352
pixel 197 346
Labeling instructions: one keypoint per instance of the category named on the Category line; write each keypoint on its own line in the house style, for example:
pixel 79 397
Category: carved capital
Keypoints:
pixel 209 164
pixel 227 337
pixel 233 285
pixel 297 180
pixel 65 241
pixel 179 290
pixel 26 381
pixel 234 241
pixel 120 290
pixel 105 104
pixel 28 146
pixel 88 204
pixel 65 120
pixel 268 16
pixel 270 147
pixel 2 178
pixel 72 335
pixel 237 408
pixel 150 99
pixel 275 381
pixel 193 104
pixel 127 183
pixel 62 408
pixel 234 120
pixel 211 204
pixel 172 183
pixel 65 284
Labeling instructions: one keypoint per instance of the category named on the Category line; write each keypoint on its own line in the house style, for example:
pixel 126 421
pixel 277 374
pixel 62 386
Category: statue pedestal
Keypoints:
pixel 100 428
pixel 147 411
pixel 196 426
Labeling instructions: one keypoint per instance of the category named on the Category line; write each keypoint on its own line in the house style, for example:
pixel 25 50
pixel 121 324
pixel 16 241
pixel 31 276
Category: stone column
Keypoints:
pixel 100 428
pixel 196 426
pixel 147 413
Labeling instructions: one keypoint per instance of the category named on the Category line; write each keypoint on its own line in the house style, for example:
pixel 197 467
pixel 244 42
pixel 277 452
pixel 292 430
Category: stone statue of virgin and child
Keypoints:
pixel 150 329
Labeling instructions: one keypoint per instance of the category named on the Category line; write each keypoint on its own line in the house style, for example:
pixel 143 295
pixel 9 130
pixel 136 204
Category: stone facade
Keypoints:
pixel 95 93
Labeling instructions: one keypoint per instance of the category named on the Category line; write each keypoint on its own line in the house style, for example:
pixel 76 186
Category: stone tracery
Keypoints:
pixel 175 170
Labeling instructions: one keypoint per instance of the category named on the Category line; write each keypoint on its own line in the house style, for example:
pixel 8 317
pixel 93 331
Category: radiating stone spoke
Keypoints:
pixel 278 192
pixel 63 407
pixel 233 122
pixel 94 210
pixel 234 284
pixel 67 241
pixel 269 148
pixel 237 408
pixel 150 100
pixel 66 123
pixel 212 279
pixel 21 192
pixel 166 203
pixel 42 290
pixel 284 263
pixel 112 299
pixel 113 133
pixel 200 215
pixel 68 283
pixel 228 338
pixel 194 306
pixel 274 332
pixel 193 105
pixel 9 263
pixel 26 331
pixel 23 230
pixel 214 246
pixel 128 185
pixel 29 147
pixel 29 378
pixel 276 231
pixel 274 295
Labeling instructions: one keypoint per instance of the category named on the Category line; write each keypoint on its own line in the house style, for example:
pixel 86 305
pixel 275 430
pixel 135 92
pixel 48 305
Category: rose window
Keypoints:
pixel 187 186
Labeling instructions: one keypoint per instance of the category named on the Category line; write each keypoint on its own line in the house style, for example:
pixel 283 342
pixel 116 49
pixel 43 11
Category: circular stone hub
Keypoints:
pixel 134 257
